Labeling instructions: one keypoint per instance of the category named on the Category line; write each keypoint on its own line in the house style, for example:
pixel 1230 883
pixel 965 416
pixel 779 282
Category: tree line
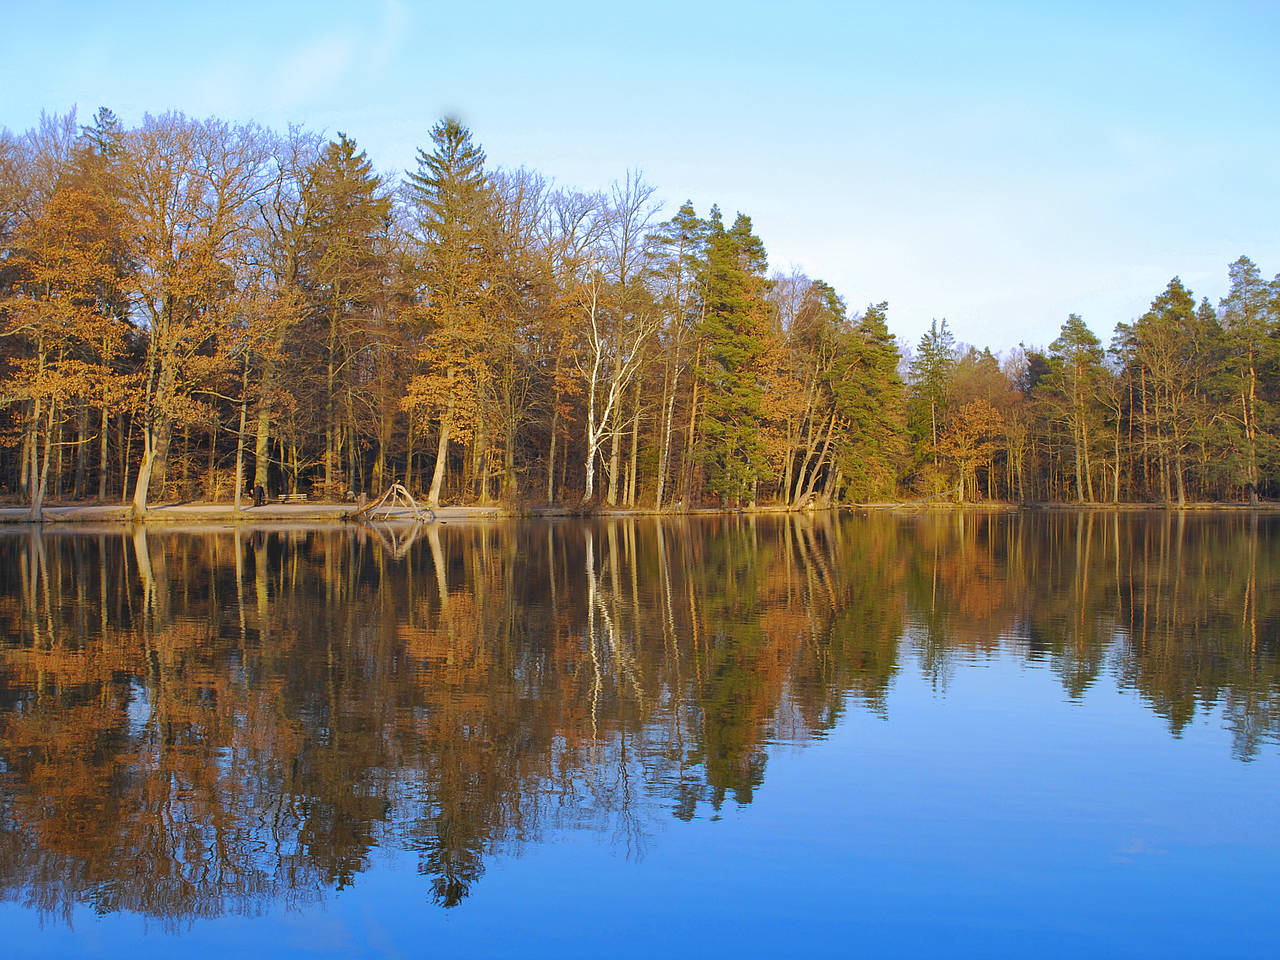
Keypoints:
pixel 1180 407
pixel 191 307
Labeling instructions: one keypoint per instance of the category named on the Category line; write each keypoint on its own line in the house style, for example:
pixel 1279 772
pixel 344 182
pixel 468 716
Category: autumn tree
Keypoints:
pixel 574 223
pixel 67 311
pixel 450 205
pixel 522 283
pixel 970 439
pixel 977 375
pixel 279 247
pixel 187 188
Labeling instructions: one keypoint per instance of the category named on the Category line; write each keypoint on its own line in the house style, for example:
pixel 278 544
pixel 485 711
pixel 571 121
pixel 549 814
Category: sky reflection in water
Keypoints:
pixel 952 735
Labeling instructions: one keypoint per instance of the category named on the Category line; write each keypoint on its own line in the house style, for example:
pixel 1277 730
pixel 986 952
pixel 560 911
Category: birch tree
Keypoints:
pixel 618 319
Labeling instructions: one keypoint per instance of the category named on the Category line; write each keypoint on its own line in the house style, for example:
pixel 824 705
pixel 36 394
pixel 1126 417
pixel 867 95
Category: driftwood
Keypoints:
pixel 395 538
pixel 396 504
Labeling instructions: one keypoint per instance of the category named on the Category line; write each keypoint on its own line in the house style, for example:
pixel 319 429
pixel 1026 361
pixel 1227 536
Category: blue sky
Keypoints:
pixel 1000 165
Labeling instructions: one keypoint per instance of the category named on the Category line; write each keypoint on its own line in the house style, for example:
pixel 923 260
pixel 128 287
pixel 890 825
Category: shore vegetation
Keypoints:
pixel 193 309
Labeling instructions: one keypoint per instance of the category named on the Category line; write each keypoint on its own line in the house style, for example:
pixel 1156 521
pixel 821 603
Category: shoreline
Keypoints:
pixel 322 513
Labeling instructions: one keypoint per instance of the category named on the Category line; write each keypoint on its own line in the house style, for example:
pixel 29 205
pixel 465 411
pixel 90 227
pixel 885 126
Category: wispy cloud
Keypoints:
pixel 325 65
pixel 314 69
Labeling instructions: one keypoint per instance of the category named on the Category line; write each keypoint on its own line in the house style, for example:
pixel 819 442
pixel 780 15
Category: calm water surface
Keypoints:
pixel 900 736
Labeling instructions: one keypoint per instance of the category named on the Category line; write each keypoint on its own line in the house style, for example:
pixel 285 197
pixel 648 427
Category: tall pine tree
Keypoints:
pixel 733 327
pixel 342 271
pixel 449 198
pixel 930 379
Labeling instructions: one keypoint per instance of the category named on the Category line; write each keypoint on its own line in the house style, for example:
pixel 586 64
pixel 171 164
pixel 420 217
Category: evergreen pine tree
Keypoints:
pixel 449 196
pixel 1249 321
pixel 869 394
pixel 732 327
pixel 1076 369
pixel 930 378
pixel 341 269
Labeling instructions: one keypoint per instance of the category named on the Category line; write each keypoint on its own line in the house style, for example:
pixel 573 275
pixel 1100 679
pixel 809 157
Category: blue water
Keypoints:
pixel 977 809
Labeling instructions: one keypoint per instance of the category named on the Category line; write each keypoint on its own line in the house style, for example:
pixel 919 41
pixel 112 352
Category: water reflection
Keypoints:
pixel 196 724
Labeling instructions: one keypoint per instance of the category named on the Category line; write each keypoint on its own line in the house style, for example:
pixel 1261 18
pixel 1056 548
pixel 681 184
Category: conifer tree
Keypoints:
pixel 282 233
pixel 342 272
pixel 930 377
pixel 1249 319
pixel 1161 347
pixel 1071 388
pixel 871 402
pixel 732 327
pixel 678 248
pixel 449 198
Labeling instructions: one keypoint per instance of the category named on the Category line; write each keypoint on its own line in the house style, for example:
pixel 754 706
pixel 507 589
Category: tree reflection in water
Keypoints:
pixel 196 724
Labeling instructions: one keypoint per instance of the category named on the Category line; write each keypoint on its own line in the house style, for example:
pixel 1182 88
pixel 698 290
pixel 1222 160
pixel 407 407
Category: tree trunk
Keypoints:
pixel 933 420
pixel 262 433
pixel 57 460
pixel 37 499
pixel 82 448
pixel 615 436
pixel 670 383
pixel 211 481
pixel 37 474
pixel 161 443
pixel 509 491
pixel 125 445
pixel 551 457
pixel 1115 483
pixel 331 414
pixel 817 467
pixel 143 483
pixel 589 465
pixel 244 390
pixel 812 442
pixel 1077 430
pixel 102 456
pixel 442 451
pixel 635 447
pixel 564 470
pixel 686 491
pixel 1088 465
pixel 480 465
pixel 1178 474
pixel 26 480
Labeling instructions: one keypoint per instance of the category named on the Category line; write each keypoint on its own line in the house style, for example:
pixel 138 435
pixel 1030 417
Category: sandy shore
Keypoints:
pixel 333 513
pixel 220 513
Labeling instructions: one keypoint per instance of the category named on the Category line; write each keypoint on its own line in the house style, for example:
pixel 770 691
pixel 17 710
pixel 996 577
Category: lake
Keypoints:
pixel 942 734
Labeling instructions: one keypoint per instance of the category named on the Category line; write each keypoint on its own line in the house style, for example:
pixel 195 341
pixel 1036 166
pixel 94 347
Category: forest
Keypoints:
pixel 192 307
